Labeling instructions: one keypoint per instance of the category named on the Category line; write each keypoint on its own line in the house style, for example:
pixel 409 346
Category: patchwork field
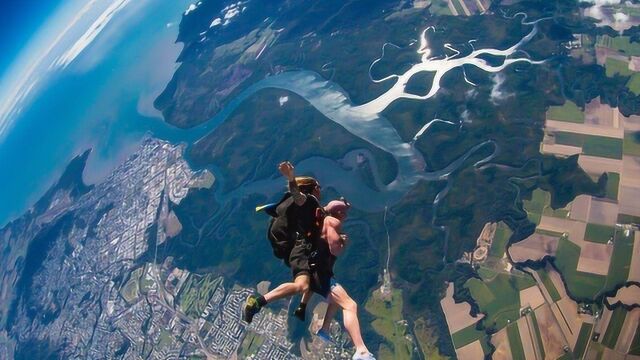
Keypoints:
pixel 500 341
pixel 631 144
pixel 628 331
pixel 551 335
pixel 472 351
pixel 583 340
pixel 581 285
pixel 568 112
pixel 634 270
pixel 599 233
pixel 468 336
pixel 616 322
pixel 593 145
pixel 620 43
pixel 535 248
pixel 457 314
pixel 548 283
pixel 617 67
pixel 500 297
pixel 515 342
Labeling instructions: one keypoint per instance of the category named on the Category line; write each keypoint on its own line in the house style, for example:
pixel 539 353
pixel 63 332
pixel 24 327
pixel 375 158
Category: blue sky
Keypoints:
pixel 19 20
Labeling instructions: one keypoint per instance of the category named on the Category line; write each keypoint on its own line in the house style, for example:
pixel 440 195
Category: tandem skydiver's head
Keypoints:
pixel 308 185
pixel 338 208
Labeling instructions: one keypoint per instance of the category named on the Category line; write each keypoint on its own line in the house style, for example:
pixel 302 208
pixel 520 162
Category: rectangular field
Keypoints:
pixel 620 43
pixel 583 340
pixel 620 259
pixel 635 344
pixel 600 146
pixel 631 144
pixel 458 7
pixel 599 233
pixel 568 112
pixel 517 351
pixel 466 336
pixel 613 330
pixel 613 184
pixel 538 334
pixel 548 284
pixel 582 285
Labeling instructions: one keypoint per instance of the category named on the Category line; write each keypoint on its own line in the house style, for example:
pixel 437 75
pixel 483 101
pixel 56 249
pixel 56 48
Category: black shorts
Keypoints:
pixel 299 258
pixel 317 263
pixel 321 282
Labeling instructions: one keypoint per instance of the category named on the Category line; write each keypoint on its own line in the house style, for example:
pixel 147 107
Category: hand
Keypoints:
pixel 344 239
pixel 287 170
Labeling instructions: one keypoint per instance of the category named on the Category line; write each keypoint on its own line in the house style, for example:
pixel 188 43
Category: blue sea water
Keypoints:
pixel 103 100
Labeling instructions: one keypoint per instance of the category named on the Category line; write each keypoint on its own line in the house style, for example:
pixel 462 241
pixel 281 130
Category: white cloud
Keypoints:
pixel 620 17
pixel 466 117
pixel 91 33
pixel 51 50
pixel 604 2
pixel 497 94
pixel 228 13
pixel 191 8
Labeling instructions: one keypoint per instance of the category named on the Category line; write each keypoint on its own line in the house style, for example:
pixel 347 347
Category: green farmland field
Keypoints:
pixel 388 324
pixel 582 285
pixel 568 112
pixel 583 340
pixel 499 243
pixel 617 67
pixel 548 284
pixel 500 297
pixel 592 145
pixel 467 335
pixel 599 233
pixel 631 144
pixel 613 330
pixel 517 351
pixel 620 43
pixel 634 83
pixel 620 259
pixel 613 184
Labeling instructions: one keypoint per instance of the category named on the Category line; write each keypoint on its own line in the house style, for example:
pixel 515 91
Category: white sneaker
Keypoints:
pixel 363 356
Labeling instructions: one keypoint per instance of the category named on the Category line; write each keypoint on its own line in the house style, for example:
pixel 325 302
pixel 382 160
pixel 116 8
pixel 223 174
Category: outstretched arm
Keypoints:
pixel 287 170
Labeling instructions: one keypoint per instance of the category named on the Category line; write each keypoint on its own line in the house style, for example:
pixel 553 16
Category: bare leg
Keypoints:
pixel 332 309
pixel 350 314
pixel 299 285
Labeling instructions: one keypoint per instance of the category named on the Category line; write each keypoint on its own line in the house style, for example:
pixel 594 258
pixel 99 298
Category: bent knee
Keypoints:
pixel 303 287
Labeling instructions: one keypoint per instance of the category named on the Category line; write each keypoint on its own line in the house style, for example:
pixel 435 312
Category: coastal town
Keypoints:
pixel 101 300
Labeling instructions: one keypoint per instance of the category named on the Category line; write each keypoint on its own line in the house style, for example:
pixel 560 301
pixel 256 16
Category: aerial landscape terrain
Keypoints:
pixel 490 150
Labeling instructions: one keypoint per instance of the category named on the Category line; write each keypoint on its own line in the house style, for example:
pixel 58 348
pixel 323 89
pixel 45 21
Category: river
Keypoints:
pixel 108 107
